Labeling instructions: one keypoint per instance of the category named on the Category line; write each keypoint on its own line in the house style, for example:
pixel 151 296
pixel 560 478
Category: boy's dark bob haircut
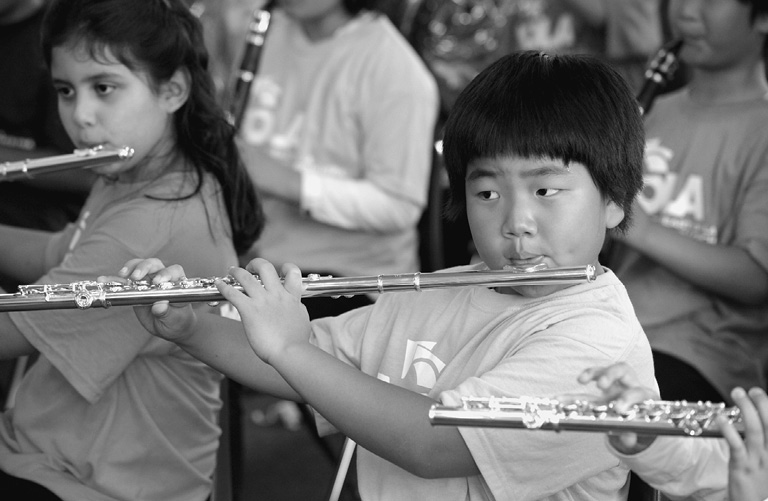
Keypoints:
pixel 534 105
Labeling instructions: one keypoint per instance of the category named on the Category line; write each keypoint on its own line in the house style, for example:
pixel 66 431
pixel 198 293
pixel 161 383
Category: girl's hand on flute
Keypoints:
pixel 171 322
pixel 748 464
pixel 271 310
pixel 620 385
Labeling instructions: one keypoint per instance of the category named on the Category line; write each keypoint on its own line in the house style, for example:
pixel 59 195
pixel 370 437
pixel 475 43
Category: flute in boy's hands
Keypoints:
pixel 270 307
pixel 620 385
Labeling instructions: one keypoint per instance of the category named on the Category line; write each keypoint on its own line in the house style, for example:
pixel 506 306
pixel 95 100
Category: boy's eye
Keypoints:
pixel 488 195
pixel 547 192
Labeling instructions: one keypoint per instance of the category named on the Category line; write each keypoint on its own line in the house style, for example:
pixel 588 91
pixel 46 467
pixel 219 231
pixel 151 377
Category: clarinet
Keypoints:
pixel 660 71
pixel 249 65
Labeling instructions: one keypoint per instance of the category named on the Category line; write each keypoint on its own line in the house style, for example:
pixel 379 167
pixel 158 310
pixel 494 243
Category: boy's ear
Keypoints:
pixel 614 214
pixel 175 91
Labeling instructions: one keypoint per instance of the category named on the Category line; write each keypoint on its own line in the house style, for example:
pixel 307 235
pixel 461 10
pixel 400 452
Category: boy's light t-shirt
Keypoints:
pixel 471 341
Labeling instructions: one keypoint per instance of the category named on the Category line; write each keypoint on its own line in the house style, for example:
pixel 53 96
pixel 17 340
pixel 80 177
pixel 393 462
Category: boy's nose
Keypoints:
pixel 519 221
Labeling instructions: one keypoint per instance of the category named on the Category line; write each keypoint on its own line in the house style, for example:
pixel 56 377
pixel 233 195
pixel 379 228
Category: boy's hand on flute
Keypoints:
pixel 271 310
pixel 620 385
pixel 171 322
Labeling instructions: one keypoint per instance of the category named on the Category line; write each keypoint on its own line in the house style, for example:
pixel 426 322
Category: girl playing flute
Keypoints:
pixel 108 411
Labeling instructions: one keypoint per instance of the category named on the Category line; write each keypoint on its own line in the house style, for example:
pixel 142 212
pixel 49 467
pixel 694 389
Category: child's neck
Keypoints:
pixel 324 27
pixel 153 167
pixel 728 87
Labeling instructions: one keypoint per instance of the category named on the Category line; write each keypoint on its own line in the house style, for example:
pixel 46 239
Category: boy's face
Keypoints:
pixel 523 212
pixel 717 33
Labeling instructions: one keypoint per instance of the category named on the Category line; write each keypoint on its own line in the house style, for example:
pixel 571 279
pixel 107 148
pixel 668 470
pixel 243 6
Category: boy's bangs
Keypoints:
pixel 538 126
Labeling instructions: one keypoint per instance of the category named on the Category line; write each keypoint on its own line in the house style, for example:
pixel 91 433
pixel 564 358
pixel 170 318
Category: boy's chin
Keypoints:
pixel 532 291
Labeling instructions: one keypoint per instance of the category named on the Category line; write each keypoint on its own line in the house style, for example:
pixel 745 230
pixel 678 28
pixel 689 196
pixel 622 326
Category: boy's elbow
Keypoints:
pixel 432 463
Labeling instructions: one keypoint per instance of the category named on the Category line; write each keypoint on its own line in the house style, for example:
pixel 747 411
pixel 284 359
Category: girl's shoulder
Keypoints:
pixel 173 193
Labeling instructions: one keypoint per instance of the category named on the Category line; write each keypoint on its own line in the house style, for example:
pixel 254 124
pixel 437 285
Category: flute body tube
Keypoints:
pixel 652 417
pixel 83 158
pixel 88 294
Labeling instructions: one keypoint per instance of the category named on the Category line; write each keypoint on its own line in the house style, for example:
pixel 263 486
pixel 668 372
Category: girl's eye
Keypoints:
pixel 64 92
pixel 104 88
pixel 547 192
pixel 488 195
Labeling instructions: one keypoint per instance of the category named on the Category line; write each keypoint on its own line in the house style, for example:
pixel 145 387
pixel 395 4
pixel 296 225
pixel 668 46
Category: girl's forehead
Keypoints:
pixel 84 50
pixel 91 59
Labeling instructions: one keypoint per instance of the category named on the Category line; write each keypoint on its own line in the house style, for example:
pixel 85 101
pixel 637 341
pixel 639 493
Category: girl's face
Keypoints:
pixel 105 103
pixel 717 33
pixel 526 212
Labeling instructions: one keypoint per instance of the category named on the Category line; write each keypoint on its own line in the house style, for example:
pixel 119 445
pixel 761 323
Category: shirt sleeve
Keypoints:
pixel 683 467
pixel 395 106
pixel 355 204
pixel 91 348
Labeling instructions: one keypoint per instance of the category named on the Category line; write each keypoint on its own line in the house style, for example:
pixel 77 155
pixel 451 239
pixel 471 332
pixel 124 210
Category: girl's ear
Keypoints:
pixel 175 91
pixel 761 23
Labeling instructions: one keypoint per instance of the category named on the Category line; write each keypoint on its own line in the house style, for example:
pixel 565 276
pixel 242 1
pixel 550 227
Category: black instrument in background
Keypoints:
pixel 249 65
pixel 660 71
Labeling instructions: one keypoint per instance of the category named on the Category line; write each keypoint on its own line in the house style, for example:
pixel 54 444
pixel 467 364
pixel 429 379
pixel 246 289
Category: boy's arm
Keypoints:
pixel 694 468
pixel 217 341
pixel 387 420
pixel 677 466
pixel 728 271
pixel 220 343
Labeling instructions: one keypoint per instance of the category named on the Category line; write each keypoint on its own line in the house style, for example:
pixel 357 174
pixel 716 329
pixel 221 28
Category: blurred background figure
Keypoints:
pixel 30 128
pixel 458 38
pixel 30 125
pixel 338 136
pixel 696 261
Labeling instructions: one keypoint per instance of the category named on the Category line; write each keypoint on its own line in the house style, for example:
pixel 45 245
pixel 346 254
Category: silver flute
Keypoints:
pixel 90 294
pixel 652 417
pixel 87 157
